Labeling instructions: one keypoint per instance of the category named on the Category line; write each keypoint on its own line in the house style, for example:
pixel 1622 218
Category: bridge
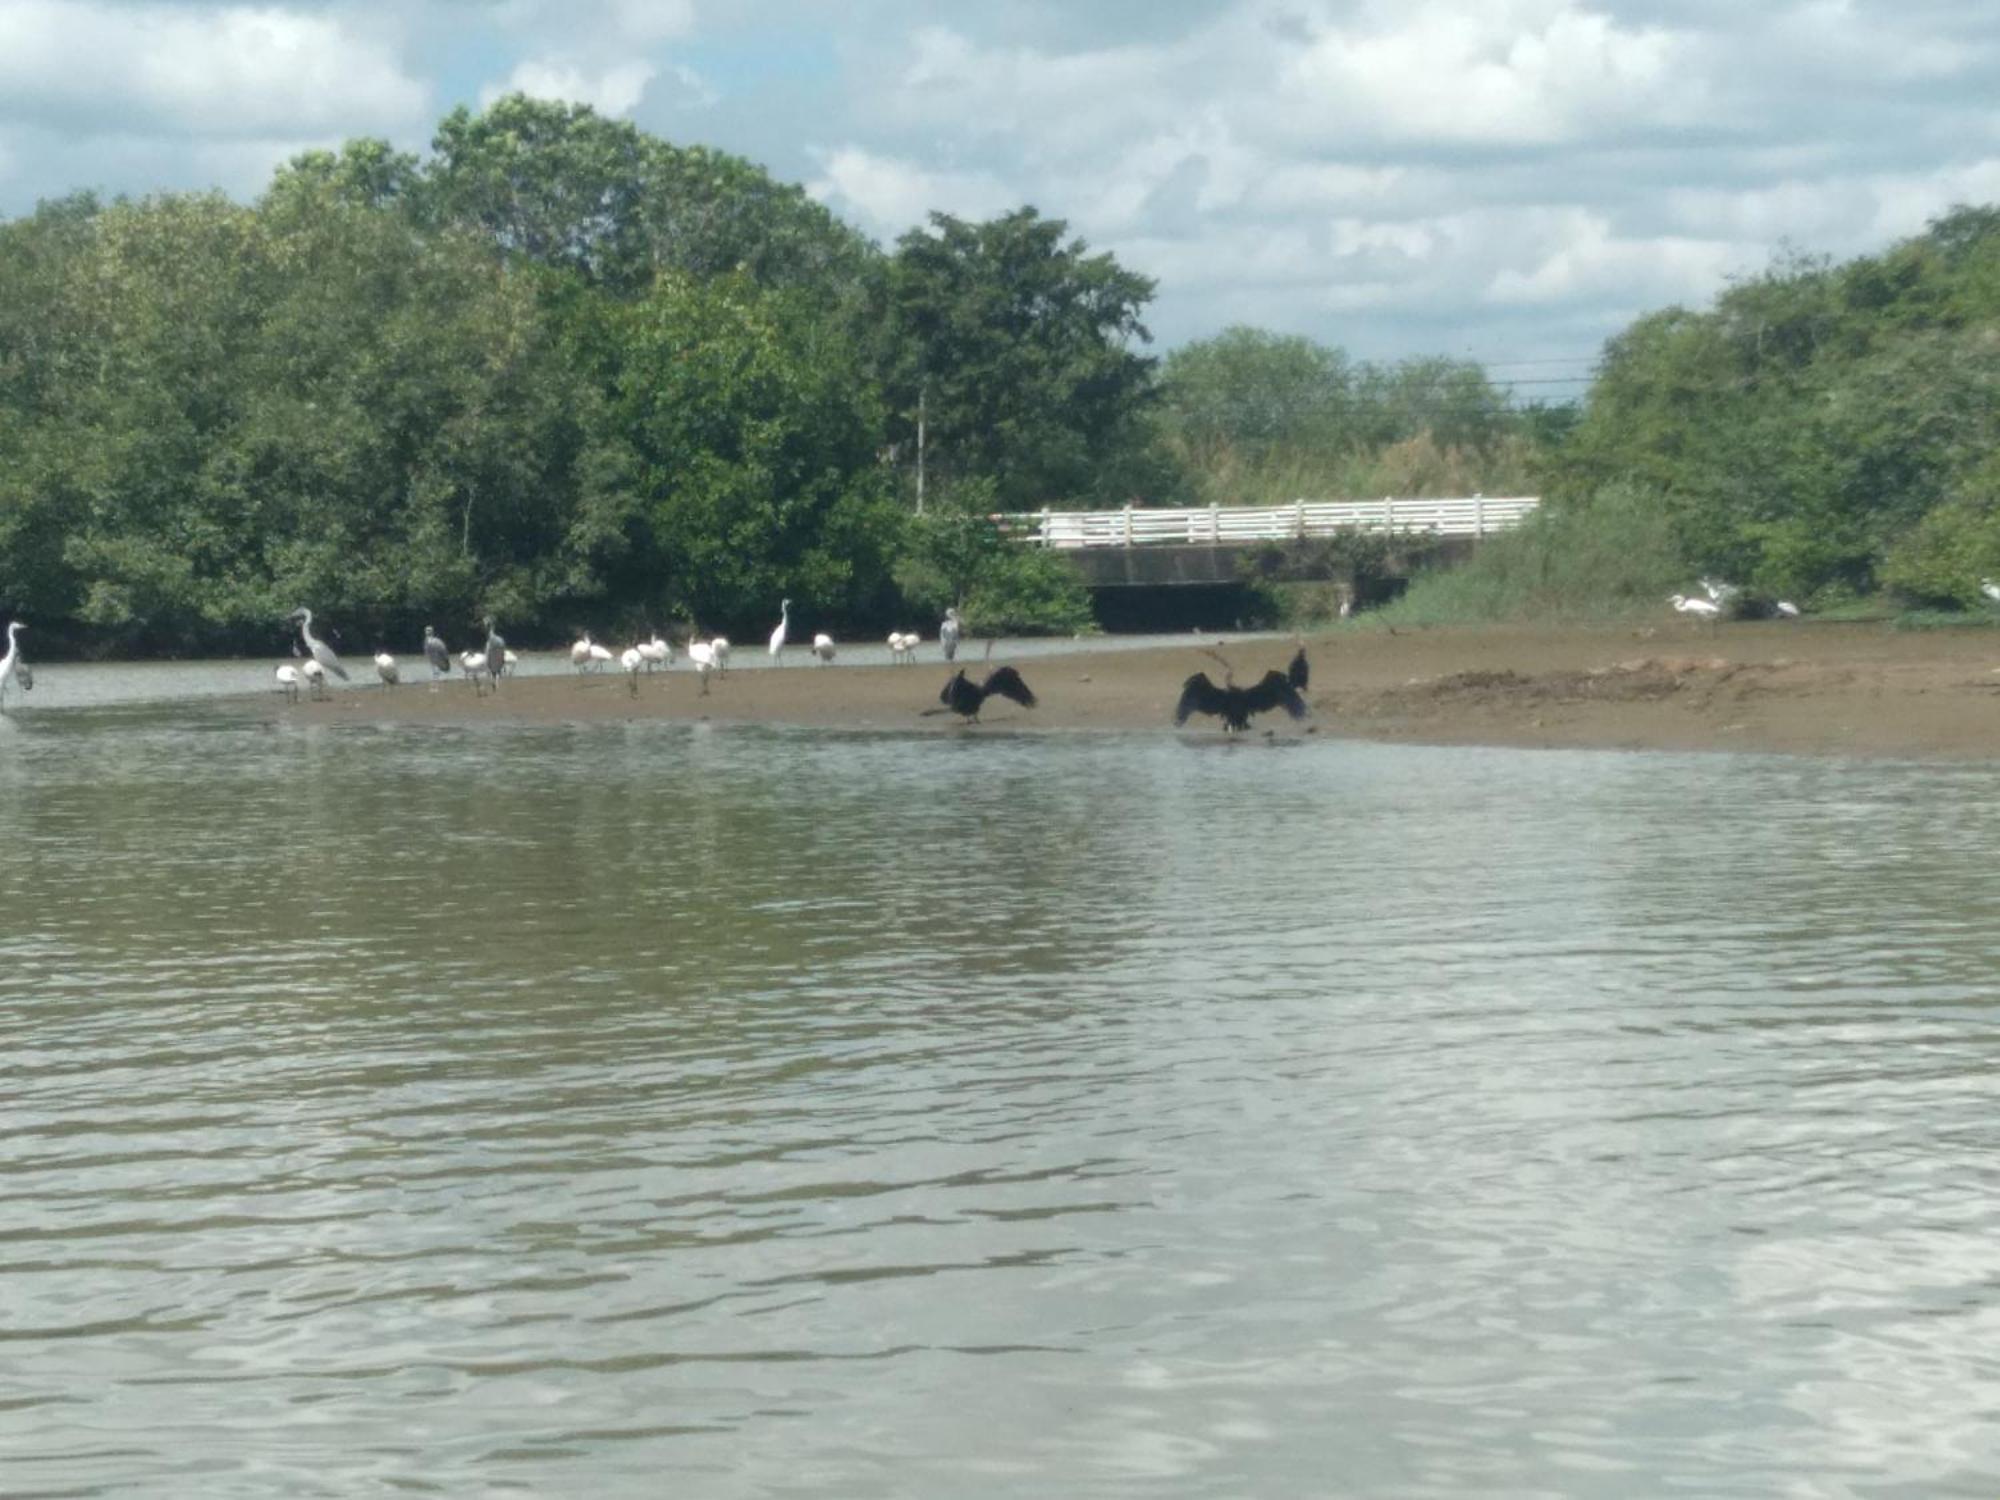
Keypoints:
pixel 1141 547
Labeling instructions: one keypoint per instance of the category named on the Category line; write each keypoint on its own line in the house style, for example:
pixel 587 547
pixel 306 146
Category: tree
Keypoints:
pixel 1014 347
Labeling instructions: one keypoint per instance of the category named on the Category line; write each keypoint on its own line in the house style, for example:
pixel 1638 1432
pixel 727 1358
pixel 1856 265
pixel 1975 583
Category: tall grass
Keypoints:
pixel 1225 474
pixel 1607 557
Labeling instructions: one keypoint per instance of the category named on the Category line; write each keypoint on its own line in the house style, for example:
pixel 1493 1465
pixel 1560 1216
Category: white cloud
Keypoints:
pixel 614 90
pixel 889 195
pixel 225 70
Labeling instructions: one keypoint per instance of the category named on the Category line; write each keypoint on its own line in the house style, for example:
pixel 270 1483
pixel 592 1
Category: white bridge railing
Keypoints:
pixel 1132 526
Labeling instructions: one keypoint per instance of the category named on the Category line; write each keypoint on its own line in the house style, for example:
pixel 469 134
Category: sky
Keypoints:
pixel 1509 181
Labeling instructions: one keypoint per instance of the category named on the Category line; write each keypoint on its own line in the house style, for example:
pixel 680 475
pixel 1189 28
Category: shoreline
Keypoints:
pixel 1764 686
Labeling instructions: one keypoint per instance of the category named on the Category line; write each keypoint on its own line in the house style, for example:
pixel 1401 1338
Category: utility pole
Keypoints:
pixel 922 391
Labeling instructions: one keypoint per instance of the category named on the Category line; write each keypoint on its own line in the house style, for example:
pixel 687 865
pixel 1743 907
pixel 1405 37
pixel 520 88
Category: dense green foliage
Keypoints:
pixel 1824 429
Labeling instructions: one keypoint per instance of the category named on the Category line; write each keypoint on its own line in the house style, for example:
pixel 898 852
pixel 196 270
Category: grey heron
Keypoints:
pixel 496 653
pixel 436 654
pixel 948 634
pixel 784 626
pixel 12 669
pixel 966 697
pixel 823 647
pixel 387 670
pixel 318 649
pixel 1234 705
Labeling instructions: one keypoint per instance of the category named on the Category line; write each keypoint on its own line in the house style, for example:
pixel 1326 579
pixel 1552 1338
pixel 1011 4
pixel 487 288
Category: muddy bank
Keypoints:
pixel 1776 686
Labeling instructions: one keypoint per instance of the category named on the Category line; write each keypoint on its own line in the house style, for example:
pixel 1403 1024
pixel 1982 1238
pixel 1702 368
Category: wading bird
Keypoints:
pixel 386 669
pixel 903 646
pixel 718 650
pixel 656 652
pixel 701 656
pixel 12 669
pixel 1299 672
pixel 823 647
pixel 1235 705
pixel 318 649
pixel 631 660
pixel 472 663
pixel 948 634
pixel 287 677
pixel 436 655
pixel 1705 609
pixel 315 676
pixel 496 654
pixel 1990 589
pixel 1786 609
pixel 784 628
pixel 964 697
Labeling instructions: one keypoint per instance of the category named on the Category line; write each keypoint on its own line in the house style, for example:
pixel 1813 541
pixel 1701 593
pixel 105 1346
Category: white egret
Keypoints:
pixel 600 657
pixel 11 669
pixel 315 676
pixel 948 634
pixel 701 656
pixel 1787 610
pixel 579 654
pixel 508 661
pixel 436 655
pixel 631 660
pixel 472 663
pixel 656 652
pixel 902 646
pixel 1705 609
pixel 1718 591
pixel 784 625
pixel 719 649
pixel 386 669
pixel 823 647
pixel 320 651
pixel 288 681
pixel 1990 589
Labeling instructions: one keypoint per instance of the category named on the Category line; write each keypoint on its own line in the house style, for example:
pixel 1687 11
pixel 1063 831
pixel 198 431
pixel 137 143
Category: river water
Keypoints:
pixel 646 1109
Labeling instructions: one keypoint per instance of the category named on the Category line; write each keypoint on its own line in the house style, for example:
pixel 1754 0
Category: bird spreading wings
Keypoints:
pixel 964 696
pixel 1235 705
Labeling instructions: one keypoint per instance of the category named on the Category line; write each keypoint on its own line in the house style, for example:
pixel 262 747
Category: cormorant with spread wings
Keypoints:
pixel 1235 705
pixel 964 696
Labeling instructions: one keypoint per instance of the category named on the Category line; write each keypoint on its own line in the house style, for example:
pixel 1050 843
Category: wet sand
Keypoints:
pixel 1783 686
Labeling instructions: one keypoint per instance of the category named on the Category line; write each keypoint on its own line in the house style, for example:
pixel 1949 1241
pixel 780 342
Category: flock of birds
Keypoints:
pixel 315 661
pixel 1726 598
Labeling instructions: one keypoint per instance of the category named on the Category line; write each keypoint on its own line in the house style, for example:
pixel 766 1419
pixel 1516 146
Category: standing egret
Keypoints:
pixel 288 681
pixel 948 634
pixel 319 650
pixel 719 650
pixel 579 654
pixel 784 625
pixel 496 653
pixel 965 697
pixel 823 647
pixel 902 646
pixel 701 656
pixel 631 661
pixel 1786 609
pixel 1990 589
pixel 436 655
pixel 1705 609
pixel 600 657
pixel 656 652
pixel 315 676
pixel 386 669
pixel 472 663
pixel 10 664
